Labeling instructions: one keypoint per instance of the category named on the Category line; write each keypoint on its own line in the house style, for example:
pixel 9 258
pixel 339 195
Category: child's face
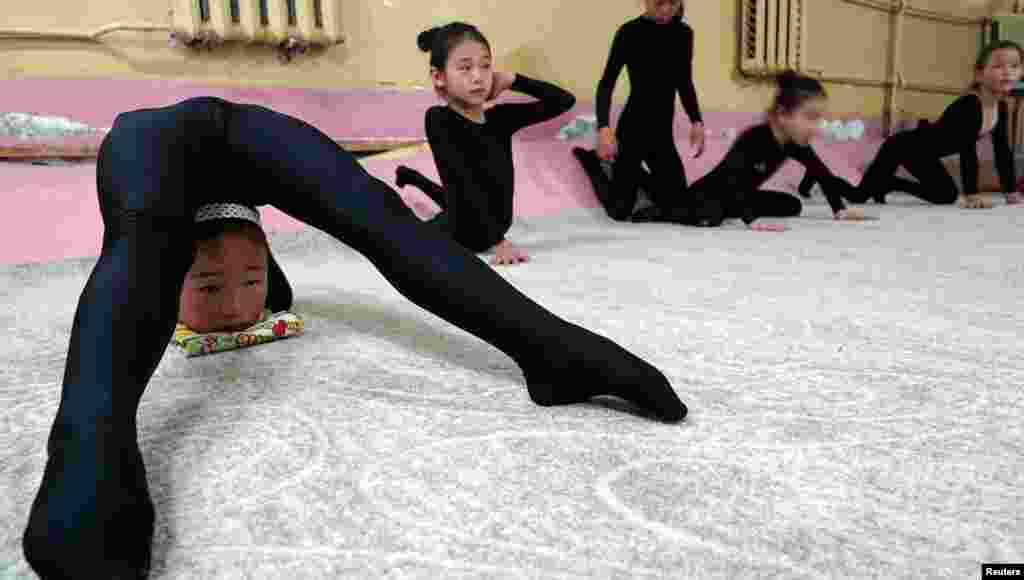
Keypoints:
pixel 226 288
pixel 662 11
pixel 802 125
pixel 468 76
pixel 1002 72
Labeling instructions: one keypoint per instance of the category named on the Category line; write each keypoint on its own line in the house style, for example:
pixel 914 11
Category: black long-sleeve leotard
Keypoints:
pixel 93 516
pixel 475 162
pixel 920 151
pixel 754 157
pixel 659 61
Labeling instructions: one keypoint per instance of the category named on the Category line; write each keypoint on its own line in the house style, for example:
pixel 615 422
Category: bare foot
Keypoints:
pixel 851 214
pixel 762 227
pixel 975 202
pixel 506 253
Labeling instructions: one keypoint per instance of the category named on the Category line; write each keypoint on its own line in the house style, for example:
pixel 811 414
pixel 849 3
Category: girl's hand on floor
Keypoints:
pixel 697 138
pixel 506 253
pixel 1014 198
pixel 850 214
pixel 607 145
pixel 975 202
pixel 763 227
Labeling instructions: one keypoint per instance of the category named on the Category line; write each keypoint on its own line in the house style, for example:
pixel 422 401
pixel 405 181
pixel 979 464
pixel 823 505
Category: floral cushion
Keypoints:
pixel 273 327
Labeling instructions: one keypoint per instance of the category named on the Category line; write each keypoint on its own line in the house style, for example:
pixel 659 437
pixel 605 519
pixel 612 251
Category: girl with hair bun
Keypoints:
pixel 471 138
pixel 732 188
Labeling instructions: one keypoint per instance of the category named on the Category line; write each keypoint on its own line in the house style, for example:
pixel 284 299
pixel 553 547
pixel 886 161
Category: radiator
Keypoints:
pixel 771 35
pixel 260 21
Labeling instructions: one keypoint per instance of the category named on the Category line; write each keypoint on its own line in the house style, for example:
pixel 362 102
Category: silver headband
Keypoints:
pixel 221 211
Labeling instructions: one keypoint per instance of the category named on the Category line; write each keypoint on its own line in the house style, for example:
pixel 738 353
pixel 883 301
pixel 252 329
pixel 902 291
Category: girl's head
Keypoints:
pixel 226 288
pixel 460 62
pixel 664 11
pixel 798 107
pixel 998 68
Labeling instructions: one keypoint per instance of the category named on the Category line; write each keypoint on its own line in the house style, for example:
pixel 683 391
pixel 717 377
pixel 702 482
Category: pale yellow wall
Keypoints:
pixel 565 41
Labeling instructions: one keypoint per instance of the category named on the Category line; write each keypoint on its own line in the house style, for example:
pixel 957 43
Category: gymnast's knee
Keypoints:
pixel 792 207
pixel 946 197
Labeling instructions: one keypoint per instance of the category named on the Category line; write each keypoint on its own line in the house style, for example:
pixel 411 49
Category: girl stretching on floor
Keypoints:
pixel 982 111
pixel 732 188
pixel 93 516
pixel 472 141
pixel 656 49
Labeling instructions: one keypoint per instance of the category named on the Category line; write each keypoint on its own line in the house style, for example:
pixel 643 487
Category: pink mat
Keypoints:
pixel 56 210
pixel 548 181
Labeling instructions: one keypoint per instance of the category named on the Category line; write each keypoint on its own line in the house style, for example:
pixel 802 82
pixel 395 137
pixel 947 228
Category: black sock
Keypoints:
pixel 403 176
pixel 93 516
pixel 599 367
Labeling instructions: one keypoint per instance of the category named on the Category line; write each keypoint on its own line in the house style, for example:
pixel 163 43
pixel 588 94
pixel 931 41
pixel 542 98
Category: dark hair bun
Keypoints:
pixel 787 79
pixel 426 39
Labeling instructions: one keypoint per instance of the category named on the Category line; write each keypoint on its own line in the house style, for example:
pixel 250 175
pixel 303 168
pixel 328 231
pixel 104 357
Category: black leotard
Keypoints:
pixel 474 161
pixel 659 61
pixel 732 188
pixel 93 516
pixel 920 151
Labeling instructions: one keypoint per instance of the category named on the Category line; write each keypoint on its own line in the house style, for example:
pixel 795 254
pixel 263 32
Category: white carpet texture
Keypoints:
pixel 855 395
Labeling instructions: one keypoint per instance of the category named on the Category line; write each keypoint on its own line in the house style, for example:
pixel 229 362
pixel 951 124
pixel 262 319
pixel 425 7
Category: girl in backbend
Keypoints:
pixel 982 111
pixel 472 141
pixel 93 516
pixel 656 49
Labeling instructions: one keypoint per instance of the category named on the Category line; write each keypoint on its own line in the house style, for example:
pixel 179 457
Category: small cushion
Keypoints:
pixel 273 327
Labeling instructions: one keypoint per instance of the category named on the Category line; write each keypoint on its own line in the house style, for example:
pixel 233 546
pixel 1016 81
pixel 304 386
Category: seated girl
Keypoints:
pixel 472 140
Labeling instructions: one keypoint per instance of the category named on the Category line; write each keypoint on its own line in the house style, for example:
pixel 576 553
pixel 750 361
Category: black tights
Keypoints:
pixel 934 184
pixel 701 205
pixel 664 181
pixel 92 516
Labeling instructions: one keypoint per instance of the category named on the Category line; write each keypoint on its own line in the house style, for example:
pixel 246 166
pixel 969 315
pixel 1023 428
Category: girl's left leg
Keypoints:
pixel 666 182
pixel 768 203
pixel 324 186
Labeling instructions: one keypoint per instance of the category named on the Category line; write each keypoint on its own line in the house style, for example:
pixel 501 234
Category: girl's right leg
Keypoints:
pixel 627 172
pixel 324 186
pixel 935 184
pixel 92 516
pixel 880 177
